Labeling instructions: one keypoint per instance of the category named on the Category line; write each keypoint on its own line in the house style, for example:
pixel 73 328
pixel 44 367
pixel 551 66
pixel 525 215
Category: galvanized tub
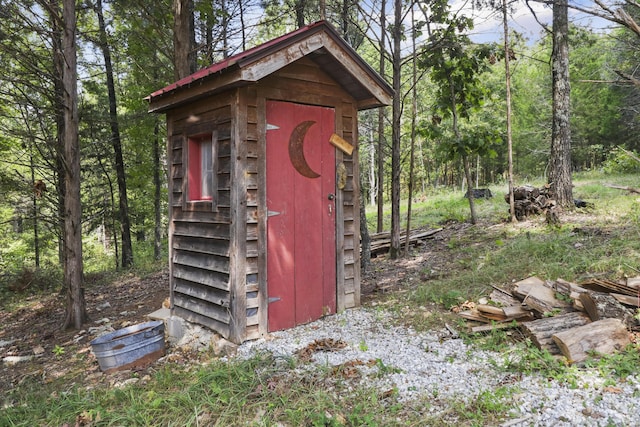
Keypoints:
pixel 131 347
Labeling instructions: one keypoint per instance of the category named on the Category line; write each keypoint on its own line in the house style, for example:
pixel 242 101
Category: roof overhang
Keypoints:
pixel 319 41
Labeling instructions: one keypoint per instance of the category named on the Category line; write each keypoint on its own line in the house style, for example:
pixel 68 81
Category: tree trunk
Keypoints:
pixel 157 186
pixel 34 201
pixel 183 39
pixel 465 157
pixel 414 113
pixel 58 62
pixel 560 159
pixel 76 313
pixel 300 6
pixel 381 142
pixel 123 206
pixel 394 250
pixel 242 25
pixel 467 174
pixel 507 73
pixel 365 238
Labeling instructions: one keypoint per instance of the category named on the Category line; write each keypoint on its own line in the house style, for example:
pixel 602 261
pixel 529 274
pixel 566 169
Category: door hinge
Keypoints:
pixel 274 299
pixel 273 213
pixel 272 127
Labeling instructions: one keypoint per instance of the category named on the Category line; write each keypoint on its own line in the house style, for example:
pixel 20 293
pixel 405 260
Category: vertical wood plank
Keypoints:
pixel 340 285
pixel 238 249
pixel 263 302
pixel 356 203
pixel 172 171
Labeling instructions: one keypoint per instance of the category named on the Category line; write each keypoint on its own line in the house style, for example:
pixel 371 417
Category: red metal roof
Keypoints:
pixel 233 60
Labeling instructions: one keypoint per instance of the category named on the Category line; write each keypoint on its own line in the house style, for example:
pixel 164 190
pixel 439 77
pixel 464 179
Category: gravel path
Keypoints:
pixel 444 369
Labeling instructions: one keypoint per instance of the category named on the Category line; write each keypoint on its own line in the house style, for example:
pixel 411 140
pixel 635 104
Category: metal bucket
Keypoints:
pixel 131 347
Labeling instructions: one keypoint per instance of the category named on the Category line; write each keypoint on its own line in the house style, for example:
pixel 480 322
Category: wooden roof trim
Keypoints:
pixel 363 73
pixel 256 63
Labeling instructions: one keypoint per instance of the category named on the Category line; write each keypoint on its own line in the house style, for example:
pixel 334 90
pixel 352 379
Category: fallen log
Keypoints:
pixel 540 331
pixel 605 336
pixel 620 187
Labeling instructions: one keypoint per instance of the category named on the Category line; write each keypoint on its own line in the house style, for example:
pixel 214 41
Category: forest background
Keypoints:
pixel 128 49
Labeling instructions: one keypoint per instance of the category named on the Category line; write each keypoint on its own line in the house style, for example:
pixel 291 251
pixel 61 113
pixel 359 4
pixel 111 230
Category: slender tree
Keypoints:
pixel 381 123
pixel 396 36
pixel 560 158
pixel 414 114
pixel 123 213
pixel 507 78
pixel 76 313
pixel 456 66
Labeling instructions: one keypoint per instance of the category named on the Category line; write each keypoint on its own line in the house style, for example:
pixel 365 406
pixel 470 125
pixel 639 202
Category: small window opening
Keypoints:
pixel 201 168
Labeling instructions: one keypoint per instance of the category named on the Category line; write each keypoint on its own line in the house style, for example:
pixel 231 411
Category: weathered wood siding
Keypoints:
pixel 201 235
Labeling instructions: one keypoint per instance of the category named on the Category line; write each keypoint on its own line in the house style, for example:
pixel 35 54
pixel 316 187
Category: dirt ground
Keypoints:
pixel 34 330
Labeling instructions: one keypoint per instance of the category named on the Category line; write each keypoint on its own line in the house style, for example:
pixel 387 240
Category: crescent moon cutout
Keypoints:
pixel 296 150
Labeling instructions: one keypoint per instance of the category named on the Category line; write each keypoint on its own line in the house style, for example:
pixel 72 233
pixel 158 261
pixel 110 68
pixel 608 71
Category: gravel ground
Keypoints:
pixel 445 369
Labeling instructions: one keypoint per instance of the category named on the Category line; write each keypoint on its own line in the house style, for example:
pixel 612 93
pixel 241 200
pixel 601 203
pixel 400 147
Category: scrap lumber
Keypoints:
pixel 607 285
pixel 570 290
pixel 633 282
pixel 490 311
pixel 494 327
pixel 474 315
pixel 381 242
pixel 540 331
pixel 502 297
pixel 604 336
pixel 600 305
pixel 540 297
pixel 517 312
pixel 626 299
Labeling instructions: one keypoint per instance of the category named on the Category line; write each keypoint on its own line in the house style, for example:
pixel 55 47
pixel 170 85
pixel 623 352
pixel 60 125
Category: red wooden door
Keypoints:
pixel 301 227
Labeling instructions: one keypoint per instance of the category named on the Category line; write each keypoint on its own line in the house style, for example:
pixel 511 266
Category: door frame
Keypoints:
pixel 329 298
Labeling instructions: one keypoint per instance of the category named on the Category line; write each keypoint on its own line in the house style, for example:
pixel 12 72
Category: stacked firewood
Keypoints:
pixel 564 318
pixel 530 200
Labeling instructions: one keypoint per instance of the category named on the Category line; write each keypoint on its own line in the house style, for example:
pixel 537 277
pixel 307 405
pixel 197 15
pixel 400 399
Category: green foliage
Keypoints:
pixel 488 407
pixel 619 162
pixel 618 365
pixel 528 359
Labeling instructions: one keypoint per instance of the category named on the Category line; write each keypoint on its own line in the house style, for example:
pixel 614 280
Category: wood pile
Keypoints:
pixel 564 318
pixel 381 242
pixel 530 200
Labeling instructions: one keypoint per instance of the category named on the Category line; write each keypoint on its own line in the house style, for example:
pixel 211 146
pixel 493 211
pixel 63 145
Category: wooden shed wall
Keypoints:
pixel 218 268
pixel 200 238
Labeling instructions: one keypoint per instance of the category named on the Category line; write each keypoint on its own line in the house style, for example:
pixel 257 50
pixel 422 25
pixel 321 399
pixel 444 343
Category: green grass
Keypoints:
pixel 261 391
pixel 269 391
pixel 603 240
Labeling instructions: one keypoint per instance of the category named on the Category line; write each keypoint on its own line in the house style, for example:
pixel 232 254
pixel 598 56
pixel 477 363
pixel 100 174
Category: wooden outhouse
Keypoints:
pixel 263 183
